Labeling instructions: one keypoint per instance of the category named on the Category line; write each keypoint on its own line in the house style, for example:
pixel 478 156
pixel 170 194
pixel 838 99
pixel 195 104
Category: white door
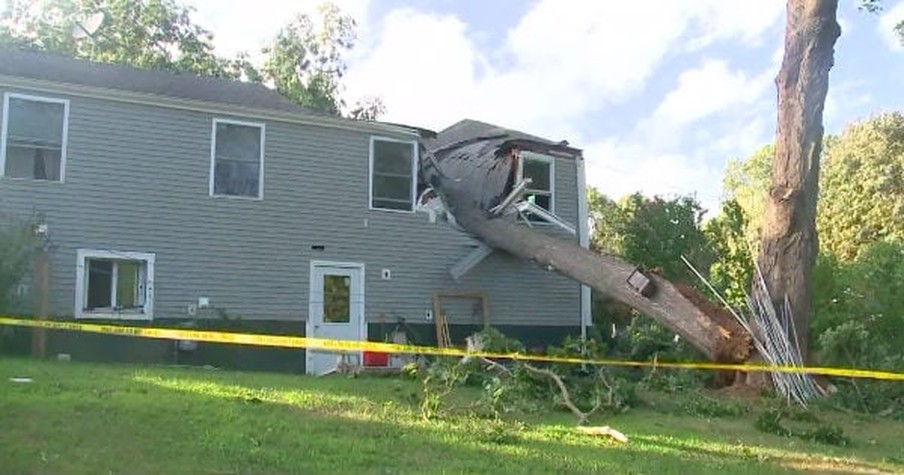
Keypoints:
pixel 336 311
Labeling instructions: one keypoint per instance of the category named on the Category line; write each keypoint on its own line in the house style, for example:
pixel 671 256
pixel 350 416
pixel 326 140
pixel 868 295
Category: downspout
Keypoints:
pixel 584 241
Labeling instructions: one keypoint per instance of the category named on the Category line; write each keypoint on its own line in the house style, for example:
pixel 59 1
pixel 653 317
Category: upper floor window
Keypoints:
pixel 113 284
pixel 392 174
pixel 34 137
pixel 540 169
pixel 237 159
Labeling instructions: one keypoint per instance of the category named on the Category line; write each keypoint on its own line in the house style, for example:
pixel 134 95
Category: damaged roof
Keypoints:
pixel 469 129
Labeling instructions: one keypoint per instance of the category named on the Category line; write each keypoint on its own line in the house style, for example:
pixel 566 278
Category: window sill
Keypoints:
pixel 37 180
pixel 389 210
pixel 238 197
pixel 113 316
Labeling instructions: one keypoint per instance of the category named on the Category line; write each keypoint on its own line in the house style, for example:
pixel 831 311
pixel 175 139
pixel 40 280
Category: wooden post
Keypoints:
pixel 42 283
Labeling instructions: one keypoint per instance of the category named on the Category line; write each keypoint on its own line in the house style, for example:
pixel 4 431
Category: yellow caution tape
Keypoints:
pixel 324 344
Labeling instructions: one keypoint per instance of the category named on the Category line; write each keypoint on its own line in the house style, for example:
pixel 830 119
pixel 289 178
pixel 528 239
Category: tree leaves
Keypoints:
pixel 862 186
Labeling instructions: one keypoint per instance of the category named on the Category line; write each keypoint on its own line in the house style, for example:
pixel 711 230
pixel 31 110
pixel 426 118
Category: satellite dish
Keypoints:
pixel 88 25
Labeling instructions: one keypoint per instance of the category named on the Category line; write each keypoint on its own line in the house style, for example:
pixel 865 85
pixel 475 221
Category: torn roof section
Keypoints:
pixel 477 165
pixel 467 129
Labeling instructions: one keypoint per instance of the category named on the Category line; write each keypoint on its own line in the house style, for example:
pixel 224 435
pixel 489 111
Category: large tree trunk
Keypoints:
pixel 475 177
pixel 789 242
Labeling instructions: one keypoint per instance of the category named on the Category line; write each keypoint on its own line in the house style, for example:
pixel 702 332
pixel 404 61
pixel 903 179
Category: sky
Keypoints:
pixel 658 95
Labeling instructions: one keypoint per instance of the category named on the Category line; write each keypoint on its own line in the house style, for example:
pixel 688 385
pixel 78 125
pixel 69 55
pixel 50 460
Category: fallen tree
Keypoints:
pixel 476 181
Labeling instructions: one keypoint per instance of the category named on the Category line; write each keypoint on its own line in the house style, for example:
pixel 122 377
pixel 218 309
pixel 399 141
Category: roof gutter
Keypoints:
pixel 195 105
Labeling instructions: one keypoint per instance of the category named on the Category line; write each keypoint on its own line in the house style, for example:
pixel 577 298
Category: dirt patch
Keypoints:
pixel 734 346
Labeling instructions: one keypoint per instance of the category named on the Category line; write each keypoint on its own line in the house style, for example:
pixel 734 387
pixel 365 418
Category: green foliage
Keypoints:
pixel 18 247
pixel 152 34
pixel 710 407
pixel 651 232
pixel 732 269
pixel 746 183
pixel 862 186
pixel 771 421
pixel 659 231
pixel 305 63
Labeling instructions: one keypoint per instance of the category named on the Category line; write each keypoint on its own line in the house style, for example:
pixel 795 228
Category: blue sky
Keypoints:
pixel 658 94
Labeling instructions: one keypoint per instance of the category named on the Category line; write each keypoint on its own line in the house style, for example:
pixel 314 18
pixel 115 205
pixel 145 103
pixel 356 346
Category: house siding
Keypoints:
pixel 137 179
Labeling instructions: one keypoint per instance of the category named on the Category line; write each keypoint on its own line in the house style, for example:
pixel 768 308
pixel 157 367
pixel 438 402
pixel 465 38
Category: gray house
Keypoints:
pixel 176 200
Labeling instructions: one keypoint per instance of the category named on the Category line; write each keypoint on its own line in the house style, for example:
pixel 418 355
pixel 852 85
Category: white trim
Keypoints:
pixel 81 287
pixel 584 241
pixel 213 157
pixel 415 157
pixel 551 162
pixel 309 321
pixel 196 105
pixel 64 138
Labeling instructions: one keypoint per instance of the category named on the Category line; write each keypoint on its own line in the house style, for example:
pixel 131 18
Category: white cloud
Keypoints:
pixel 747 21
pixel 619 168
pixel 707 90
pixel 669 153
pixel 562 61
pixel 887 24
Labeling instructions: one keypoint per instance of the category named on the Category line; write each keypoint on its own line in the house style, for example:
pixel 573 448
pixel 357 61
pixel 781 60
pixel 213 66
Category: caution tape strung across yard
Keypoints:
pixel 323 344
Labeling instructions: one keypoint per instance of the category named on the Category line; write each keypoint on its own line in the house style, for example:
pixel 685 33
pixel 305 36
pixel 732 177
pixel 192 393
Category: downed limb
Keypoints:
pixel 566 397
pixel 604 430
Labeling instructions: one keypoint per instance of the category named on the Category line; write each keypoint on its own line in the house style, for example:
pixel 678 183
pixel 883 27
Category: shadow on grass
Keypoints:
pixel 790 459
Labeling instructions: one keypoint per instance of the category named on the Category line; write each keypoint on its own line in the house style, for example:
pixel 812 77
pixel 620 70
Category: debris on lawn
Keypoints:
pixel 20 380
pixel 604 431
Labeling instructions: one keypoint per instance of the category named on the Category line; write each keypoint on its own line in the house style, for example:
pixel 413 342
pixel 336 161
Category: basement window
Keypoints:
pixel 114 285
pixel 541 170
pixel 237 159
pixel 392 174
pixel 34 137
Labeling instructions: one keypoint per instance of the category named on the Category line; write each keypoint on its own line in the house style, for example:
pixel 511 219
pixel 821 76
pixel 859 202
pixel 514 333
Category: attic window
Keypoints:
pixel 540 169
pixel 34 137
pixel 237 159
pixel 392 174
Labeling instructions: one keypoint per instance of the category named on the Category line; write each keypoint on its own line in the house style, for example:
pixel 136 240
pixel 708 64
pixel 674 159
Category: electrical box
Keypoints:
pixel 641 283
pixel 203 302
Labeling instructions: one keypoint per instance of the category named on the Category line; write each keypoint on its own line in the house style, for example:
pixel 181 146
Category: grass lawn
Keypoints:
pixel 99 419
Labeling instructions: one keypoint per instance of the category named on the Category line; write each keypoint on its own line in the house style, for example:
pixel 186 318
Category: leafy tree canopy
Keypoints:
pixel 862 186
pixel 304 62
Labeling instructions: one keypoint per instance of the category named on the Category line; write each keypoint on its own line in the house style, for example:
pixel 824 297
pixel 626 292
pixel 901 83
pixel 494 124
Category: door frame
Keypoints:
pixel 309 324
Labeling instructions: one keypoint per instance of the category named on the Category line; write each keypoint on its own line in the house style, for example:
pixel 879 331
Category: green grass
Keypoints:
pixel 82 418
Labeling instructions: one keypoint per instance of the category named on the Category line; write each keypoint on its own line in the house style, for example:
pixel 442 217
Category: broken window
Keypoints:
pixel 238 158
pixel 34 137
pixel 540 170
pixel 392 174
pixel 113 284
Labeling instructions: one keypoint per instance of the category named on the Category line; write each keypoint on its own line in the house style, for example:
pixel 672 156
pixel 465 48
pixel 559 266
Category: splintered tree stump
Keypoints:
pixel 475 176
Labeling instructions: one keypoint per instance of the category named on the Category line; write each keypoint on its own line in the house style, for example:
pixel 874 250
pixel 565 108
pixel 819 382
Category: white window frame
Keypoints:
pixel 551 163
pixel 414 162
pixel 81 284
pixel 213 157
pixel 4 133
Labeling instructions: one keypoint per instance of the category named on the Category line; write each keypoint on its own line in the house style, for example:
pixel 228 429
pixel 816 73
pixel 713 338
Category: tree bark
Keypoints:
pixel 719 340
pixel 789 243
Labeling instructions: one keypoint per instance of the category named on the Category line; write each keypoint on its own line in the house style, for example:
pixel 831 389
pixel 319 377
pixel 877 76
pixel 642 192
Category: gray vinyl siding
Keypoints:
pixel 137 179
